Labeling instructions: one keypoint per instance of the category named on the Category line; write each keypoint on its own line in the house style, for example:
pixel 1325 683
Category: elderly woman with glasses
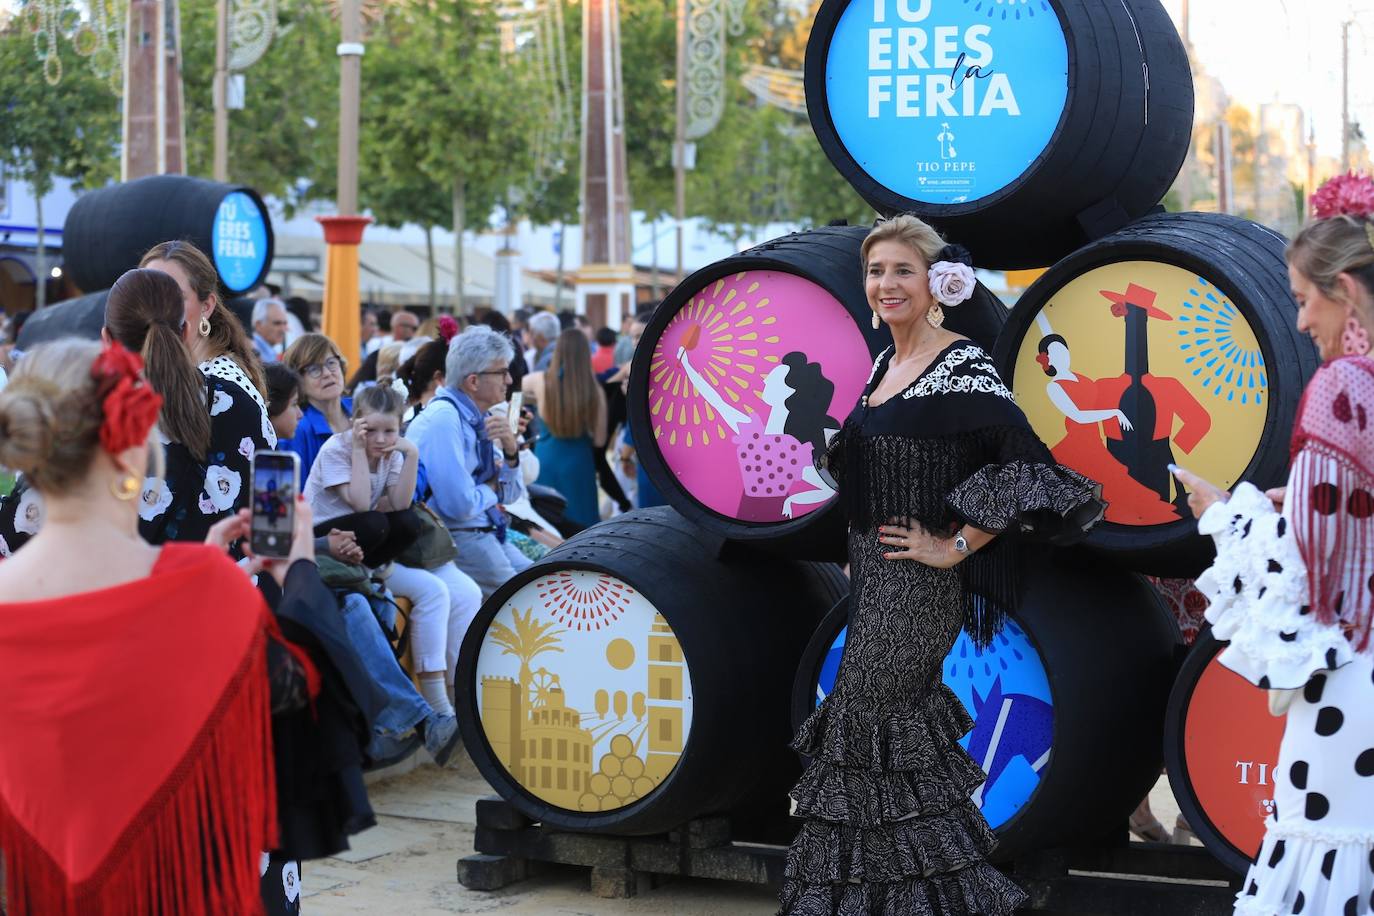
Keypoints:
pixel 325 410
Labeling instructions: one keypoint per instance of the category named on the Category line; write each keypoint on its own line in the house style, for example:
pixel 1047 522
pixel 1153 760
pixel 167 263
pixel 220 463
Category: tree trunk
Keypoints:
pixel 40 283
pixel 653 227
pixel 460 220
pixel 558 277
pixel 429 258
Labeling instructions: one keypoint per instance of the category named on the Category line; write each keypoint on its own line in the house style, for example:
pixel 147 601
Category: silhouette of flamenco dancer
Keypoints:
pixel 1151 402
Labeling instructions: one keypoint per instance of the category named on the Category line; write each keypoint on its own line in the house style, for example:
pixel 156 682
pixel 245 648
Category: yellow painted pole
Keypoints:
pixel 342 301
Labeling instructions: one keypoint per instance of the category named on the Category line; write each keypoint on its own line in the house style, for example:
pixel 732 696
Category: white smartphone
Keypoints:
pixel 276 481
pixel 517 401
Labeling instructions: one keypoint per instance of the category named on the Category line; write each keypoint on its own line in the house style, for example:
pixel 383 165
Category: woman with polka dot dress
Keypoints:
pixel 1293 589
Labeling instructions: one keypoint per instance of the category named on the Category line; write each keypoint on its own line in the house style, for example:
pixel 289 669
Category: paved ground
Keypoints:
pixel 406 865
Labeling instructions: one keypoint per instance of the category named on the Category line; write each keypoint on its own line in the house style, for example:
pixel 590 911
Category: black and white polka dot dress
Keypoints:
pixel 1318 850
pixel 224 367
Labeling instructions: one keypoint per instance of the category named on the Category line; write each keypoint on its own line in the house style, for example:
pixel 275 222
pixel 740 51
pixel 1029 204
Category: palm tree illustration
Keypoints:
pixel 528 639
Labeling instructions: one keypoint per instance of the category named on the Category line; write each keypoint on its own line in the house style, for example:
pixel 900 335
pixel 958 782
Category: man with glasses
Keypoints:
pixel 471 458
pixel 403 326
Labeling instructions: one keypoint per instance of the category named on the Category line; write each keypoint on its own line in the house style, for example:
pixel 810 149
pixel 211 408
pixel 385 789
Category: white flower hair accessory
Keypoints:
pixel 951 276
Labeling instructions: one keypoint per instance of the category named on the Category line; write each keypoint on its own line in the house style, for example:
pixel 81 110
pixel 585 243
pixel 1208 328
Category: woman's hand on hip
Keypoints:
pixel 919 545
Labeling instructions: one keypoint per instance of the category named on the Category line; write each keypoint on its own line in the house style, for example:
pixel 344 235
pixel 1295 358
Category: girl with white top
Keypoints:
pixel 363 481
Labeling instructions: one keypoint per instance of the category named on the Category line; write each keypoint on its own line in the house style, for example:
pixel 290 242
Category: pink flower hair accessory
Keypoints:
pixel 1345 195
pixel 448 328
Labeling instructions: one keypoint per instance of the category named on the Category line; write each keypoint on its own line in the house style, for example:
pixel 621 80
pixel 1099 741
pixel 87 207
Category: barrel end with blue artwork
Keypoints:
pixel 230 223
pixel 1005 124
pixel 1068 712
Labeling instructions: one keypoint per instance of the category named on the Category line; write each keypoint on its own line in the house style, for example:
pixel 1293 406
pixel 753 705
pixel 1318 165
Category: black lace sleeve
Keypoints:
pixel 1022 491
pixel 1021 495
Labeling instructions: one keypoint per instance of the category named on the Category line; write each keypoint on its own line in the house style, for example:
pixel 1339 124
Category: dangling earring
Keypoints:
pixel 877 322
pixel 1355 339
pixel 126 488
pixel 204 326
pixel 935 316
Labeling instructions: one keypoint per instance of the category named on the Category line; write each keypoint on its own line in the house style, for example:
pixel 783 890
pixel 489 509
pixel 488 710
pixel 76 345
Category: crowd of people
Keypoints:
pixel 453 457
pixel 420 494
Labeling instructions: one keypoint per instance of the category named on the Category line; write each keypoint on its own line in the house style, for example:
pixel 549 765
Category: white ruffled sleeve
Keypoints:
pixel 1259 596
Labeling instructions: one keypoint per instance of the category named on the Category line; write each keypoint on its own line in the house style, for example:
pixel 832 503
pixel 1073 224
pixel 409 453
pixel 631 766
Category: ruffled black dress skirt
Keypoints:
pixel 889 826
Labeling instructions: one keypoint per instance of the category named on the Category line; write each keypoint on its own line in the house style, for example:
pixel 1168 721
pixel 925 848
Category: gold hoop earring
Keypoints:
pixel 877 322
pixel 935 316
pixel 204 326
pixel 126 488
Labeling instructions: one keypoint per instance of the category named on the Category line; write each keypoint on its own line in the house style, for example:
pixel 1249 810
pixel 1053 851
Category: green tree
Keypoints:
pixel 284 141
pixel 47 132
pixel 447 120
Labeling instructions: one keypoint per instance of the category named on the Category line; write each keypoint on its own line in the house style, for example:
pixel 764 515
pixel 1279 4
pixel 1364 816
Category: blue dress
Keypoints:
pixel 566 465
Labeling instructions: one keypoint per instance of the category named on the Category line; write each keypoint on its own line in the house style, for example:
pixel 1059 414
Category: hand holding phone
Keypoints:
pixel 276 484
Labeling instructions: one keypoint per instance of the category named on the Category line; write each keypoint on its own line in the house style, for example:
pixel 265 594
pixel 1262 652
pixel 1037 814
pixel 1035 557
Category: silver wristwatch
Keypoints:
pixel 961 544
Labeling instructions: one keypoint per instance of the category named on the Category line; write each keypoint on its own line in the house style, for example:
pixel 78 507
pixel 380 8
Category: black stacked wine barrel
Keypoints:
pixel 1103 116
pixel 728 628
pixel 1209 318
pixel 1107 689
pixel 1220 749
pixel 83 316
pixel 827 259
pixel 108 230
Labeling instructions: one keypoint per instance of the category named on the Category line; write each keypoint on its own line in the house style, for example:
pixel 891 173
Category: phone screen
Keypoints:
pixel 276 480
pixel 517 401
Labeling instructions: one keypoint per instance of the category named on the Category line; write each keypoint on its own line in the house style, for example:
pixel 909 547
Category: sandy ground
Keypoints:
pixel 406 865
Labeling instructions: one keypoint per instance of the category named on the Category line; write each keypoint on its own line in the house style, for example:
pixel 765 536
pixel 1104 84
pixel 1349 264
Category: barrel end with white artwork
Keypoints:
pixel 1068 715
pixel 1172 340
pixel 635 678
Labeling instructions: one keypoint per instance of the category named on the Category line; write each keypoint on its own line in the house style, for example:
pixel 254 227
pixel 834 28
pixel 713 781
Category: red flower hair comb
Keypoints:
pixel 130 405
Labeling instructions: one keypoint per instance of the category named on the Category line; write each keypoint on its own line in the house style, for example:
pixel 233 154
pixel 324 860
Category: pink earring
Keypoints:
pixel 1355 339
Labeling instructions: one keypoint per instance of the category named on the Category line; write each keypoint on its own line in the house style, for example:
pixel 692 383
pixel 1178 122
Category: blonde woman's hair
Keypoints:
pixel 388 361
pixel 308 350
pixel 911 231
pixel 50 416
pixel 570 388
pixel 1327 248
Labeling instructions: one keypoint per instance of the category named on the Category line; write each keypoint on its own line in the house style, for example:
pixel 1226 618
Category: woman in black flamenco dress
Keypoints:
pixel 942 480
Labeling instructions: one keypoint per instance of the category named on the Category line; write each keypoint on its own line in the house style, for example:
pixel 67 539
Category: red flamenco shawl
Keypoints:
pixel 135 744
pixel 1331 494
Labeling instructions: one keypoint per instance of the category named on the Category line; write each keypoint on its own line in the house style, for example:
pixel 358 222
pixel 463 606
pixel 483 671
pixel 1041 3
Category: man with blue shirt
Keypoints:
pixel 269 328
pixel 472 459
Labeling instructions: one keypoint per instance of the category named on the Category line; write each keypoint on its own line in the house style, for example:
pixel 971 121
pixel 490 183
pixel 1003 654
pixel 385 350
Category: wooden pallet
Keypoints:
pixel 1139 879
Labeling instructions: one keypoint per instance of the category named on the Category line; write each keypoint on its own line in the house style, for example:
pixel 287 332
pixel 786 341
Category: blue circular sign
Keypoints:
pixel 946 101
pixel 1006 691
pixel 239 242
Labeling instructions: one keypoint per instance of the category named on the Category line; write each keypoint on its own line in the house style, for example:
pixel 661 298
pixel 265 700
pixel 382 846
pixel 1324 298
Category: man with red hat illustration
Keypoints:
pixel 1152 403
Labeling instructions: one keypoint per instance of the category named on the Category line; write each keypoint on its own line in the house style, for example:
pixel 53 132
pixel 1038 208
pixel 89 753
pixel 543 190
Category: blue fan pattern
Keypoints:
pixel 1224 367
